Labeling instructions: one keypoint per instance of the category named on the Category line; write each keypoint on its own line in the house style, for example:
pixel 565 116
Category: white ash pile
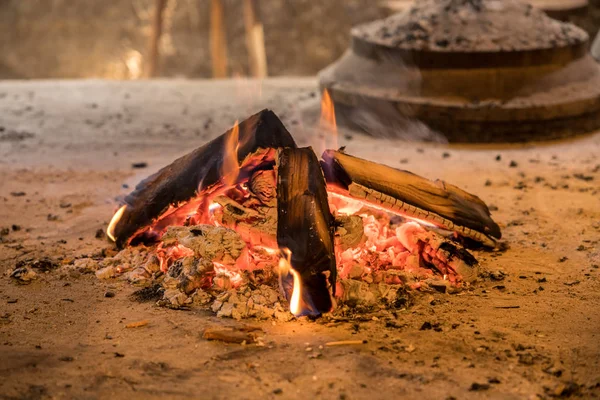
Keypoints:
pixel 381 260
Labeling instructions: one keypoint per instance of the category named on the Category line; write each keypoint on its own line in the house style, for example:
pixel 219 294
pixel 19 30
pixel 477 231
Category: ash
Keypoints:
pixel 471 26
pixel 381 264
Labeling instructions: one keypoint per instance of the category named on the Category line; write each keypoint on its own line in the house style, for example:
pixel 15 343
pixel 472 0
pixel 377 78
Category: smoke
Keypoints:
pixel 381 91
pixel 386 121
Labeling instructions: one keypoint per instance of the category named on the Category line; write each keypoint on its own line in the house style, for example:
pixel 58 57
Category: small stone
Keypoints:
pixel 139 165
pixel 109 294
pixel 513 164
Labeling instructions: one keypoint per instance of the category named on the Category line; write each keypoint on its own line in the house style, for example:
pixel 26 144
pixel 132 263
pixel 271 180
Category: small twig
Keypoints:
pixel 137 324
pixel 345 342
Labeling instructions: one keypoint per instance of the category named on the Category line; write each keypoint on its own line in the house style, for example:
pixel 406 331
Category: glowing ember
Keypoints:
pixel 225 238
pixel 345 205
pixel 234 276
pixel 110 231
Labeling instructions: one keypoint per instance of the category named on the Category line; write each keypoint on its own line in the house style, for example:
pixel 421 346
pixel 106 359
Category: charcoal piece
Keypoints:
pixel 436 202
pixel 195 172
pixel 305 226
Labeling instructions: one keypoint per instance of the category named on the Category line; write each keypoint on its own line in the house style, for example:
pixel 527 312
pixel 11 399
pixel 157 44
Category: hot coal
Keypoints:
pixel 197 171
pixel 266 224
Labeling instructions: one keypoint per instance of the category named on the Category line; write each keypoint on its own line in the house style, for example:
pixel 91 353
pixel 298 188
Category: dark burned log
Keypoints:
pixel 183 179
pixel 305 226
pixel 436 202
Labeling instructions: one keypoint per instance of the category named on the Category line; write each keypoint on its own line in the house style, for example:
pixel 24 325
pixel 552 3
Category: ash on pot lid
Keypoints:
pixel 470 26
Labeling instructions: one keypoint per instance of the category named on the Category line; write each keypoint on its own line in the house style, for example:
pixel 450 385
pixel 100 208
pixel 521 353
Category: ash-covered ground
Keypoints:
pixel 69 149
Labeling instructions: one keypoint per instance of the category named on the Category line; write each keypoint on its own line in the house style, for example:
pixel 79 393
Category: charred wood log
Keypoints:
pixel 436 202
pixel 195 172
pixel 305 226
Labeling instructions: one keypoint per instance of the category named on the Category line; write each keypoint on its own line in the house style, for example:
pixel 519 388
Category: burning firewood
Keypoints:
pixel 305 229
pixel 439 203
pixel 225 220
pixel 198 171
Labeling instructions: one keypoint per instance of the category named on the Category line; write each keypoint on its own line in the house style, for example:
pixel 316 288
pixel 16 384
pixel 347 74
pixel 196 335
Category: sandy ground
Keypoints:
pixel 66 150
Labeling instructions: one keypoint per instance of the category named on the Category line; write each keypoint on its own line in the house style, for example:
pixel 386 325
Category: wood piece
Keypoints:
pixel 137 324
pixel 195 172
pixel 218 40
pixel 152 59
pixel 403 192
pixel 345 343
pixel 305 226
pixel 255 39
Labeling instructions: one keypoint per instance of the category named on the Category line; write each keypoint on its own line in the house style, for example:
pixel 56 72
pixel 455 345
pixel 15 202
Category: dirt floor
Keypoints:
pixel 66 154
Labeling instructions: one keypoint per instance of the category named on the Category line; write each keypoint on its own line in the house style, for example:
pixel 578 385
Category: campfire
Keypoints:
pixel 250 225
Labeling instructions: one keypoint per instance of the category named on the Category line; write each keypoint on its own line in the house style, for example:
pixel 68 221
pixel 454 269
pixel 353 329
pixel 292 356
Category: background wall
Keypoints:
pixel 108 38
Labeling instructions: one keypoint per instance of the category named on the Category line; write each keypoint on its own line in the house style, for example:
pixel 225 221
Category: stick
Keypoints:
pixel 137 324
pixel 345 342
pixel 218 40
pixel 154 43
pixel 255 39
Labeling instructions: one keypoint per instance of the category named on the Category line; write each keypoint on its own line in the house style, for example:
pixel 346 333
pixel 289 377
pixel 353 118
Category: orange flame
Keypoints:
pixel 285 268
pixel 230 168
pixel 110 231
pixel 327 122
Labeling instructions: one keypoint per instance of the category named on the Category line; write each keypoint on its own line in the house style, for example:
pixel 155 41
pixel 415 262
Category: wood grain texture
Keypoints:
pixel 437 202
pixel 185 177
pixel 305 224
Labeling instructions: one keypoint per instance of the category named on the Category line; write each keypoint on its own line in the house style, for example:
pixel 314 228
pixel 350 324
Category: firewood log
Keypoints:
pixel 405 193
pixel 196 172
pixel 305 226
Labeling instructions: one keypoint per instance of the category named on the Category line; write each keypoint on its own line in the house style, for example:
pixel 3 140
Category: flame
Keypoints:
pixel 230 169
pixel 110 231
pixel 285 269
pixel 327 122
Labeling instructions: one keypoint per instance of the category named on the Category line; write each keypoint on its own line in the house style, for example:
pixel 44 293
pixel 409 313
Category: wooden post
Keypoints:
pixel 218 40
pixel 255 39
pixel 151 66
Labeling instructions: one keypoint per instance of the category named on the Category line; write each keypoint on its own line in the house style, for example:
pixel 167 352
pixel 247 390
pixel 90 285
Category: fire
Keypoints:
pixel 230 168
pixel 345 205
pixel 110 231
pixel 327 122
pixel 286 269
